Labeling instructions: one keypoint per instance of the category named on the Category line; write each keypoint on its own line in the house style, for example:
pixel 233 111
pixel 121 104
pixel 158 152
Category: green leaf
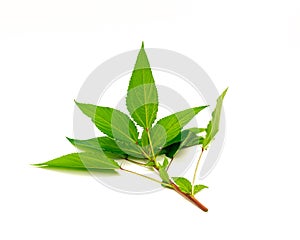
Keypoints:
pixel 169 127
pixel 213 125
pixel 142 97
pixel 112 148
pixel 197 130
pixel 190 140
pixel 198 188
pixel 164 175
pixel 102 144
pixel 144 142
pixel 111 122
pixel 132 149
pixel 150 164
pixel 170 151
pixel 144 139
pixel 186 139
pixel 183 184
pixel 165 163
pixel 87 160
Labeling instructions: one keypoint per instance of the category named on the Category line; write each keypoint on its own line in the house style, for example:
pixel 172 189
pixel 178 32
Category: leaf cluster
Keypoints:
pixel 122 140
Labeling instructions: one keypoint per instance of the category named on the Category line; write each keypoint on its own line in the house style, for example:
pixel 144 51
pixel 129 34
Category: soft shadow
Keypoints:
pixel 82 172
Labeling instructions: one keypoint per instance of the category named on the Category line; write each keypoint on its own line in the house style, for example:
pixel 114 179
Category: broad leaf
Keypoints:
pixel 198 188
pixel 132 149
pixel 188 136
pixel 169 127
pixel 186 139
pixel 142 97
pixel 82 161
pixel 111 122
pixel 213 125
pixel 170 151
pixel 112 148
pixel 183 184
pixel 102 144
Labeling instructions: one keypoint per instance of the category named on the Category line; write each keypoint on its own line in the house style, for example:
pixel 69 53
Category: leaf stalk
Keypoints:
pixel 152 149
pixel 141 175
pixel 196 170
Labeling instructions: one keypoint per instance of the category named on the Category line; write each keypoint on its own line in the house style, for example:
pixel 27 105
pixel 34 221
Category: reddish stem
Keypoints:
pixel 190 198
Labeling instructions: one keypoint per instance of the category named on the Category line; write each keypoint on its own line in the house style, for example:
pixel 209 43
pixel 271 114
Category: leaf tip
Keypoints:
pixel 142 44
pixel 198 109
pixel 69 139
pixel 76 103
pixel 38 164
pixel 224 92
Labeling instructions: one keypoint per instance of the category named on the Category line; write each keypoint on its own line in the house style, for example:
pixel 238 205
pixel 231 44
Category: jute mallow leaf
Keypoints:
pixel 169 127
pixel 86 160
pixel 213 125
pixel 111 122
pixel 142 99
pixel 123 145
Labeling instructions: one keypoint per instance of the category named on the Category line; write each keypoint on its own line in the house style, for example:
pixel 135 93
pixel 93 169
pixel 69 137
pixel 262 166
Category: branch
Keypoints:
pixel 190 198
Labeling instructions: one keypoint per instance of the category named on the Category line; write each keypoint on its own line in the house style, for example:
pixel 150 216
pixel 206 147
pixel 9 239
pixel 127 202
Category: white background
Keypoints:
pixel 48 48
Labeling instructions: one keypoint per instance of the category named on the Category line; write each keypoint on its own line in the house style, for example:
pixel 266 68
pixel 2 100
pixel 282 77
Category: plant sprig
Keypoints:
pixel 165 137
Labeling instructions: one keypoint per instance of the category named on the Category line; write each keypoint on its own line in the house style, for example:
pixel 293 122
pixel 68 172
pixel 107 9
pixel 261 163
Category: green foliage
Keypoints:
pixel 186 138
pixel 213 126
pixel 165 163
pixel 142 97
pixel 122 140
pixel 109 146
pixel 111 122
pixel 167 128
pixel 100 144
pixel 198 188
pixel 184 184
pixel 86 160
pixel 164 175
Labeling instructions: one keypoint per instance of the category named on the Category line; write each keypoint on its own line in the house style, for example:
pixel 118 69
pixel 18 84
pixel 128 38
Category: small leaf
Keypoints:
pixel 142 97
pixel 111 122
pixel 165 163
pixel 150 164
pixel 164 175
pixel 82 161
pixel 169 127
pixel 213 125
pixel 198 188
pixel 183 184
